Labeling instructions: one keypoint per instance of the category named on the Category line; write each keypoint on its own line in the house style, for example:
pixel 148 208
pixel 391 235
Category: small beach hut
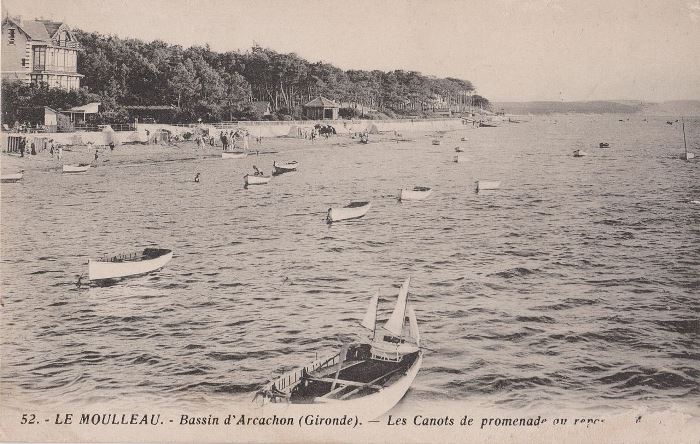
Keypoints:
pixel 321 108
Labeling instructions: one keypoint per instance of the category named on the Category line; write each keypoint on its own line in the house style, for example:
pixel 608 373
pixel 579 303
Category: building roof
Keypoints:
pixel 90 108
pixel 322 102
pixel 39 30
pixel 261 106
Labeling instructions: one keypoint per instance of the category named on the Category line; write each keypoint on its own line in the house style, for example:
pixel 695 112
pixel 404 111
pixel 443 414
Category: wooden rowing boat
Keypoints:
pixel 604 145
pixel 11 178
pixel 125 265
pixel 436 142
pixel 365 378
pixel 487 185
pixel 233 154
pixel 282 168
pixel 353 210
pixel 80 168
pixel 256 180
pixel 417 193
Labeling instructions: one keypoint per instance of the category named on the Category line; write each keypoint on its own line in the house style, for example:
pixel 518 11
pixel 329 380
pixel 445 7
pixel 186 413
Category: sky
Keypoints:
pixel 511 50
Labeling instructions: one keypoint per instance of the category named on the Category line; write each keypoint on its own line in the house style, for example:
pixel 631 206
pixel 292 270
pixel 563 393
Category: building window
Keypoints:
pixel 39 58
pixel 24 63
pixel 62 39
pixel 11 36
pixel 36 79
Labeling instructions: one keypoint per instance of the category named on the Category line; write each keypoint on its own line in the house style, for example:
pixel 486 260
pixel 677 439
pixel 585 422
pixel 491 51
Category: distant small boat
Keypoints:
pixel 459 159
pixel 233 154
pixel 417 193
pixel 367 377
pixel 282 168
pixel 353 210
pixel 459 149
pixel 487 125
pixel 11 178
pixel 463 139
pixel 80 168
pixel 487 185
pixel 125 265
pixel 604 145
pixel 580 153
pixel 256 180
pixel 436 142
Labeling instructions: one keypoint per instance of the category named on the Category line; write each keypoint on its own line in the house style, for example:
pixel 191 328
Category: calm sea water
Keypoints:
pixel 575 283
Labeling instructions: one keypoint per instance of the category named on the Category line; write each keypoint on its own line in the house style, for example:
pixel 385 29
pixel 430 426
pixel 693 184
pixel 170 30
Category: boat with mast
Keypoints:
pixel 687 155
pixel 366 378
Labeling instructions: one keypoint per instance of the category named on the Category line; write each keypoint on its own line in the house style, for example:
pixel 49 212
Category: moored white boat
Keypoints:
pixel 9 178
pixel 366 379
pixel 417 193
pixel 688 155
pixel 131 264
pixel 487 185
pixel 233 154
pixel 353 210
pixel 580 153
pixel 459 159
pixel 458 149
pixel 80 168
pixel 436 142
pixel 256 180
pixel 281 168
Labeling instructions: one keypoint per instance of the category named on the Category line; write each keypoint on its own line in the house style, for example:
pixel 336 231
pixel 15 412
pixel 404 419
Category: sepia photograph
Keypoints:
pixel 388 221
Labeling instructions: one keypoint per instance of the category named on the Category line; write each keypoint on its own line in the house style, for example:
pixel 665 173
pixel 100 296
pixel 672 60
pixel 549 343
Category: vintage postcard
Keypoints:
pixel 364 221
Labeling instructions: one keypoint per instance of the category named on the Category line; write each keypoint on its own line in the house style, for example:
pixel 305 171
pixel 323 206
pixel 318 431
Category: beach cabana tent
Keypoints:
pixel 109 136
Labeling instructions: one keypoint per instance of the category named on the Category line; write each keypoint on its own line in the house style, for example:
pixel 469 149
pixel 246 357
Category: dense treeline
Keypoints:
pixel 220 86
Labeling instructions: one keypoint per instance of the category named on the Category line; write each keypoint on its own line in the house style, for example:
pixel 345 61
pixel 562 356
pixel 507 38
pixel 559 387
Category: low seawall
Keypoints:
pixel 255 128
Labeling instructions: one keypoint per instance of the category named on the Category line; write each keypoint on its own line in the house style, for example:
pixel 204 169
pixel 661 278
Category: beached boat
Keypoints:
pixel 417 193
pixel 365 378
pixel 10 178
pixel 604 145
pixel 487 185
pixel 131 264
pixel 487 125
pixel 80 168
pixel 282 168
pixel 436 142
pixel 353 210
pixel 233 154
pixel 580 153
pixel 256 180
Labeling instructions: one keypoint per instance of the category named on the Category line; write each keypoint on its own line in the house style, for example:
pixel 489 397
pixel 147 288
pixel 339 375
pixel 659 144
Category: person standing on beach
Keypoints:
pixel 60 152
pixel 96 156
pixel 245 140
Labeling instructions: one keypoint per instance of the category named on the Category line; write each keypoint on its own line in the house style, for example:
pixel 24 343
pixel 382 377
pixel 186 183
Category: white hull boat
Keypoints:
pixel 11 178
pixel 459 159
pixel 366 379
pixel 487 185
pixel 580 153
pixel 436 142
pixel 417 193
pixel 81 168
pixel 125 265
pixel 353 210
pixel 233 154
pixel 458 149
pixel 688 155
pixel 282 168
pixel 256 180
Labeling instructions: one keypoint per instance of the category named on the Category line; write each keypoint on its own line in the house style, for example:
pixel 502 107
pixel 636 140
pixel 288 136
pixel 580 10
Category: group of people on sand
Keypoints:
pixel 30 147
pixel 229 138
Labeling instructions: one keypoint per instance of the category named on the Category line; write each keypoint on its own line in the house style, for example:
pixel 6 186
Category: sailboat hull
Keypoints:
pixel 366 408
